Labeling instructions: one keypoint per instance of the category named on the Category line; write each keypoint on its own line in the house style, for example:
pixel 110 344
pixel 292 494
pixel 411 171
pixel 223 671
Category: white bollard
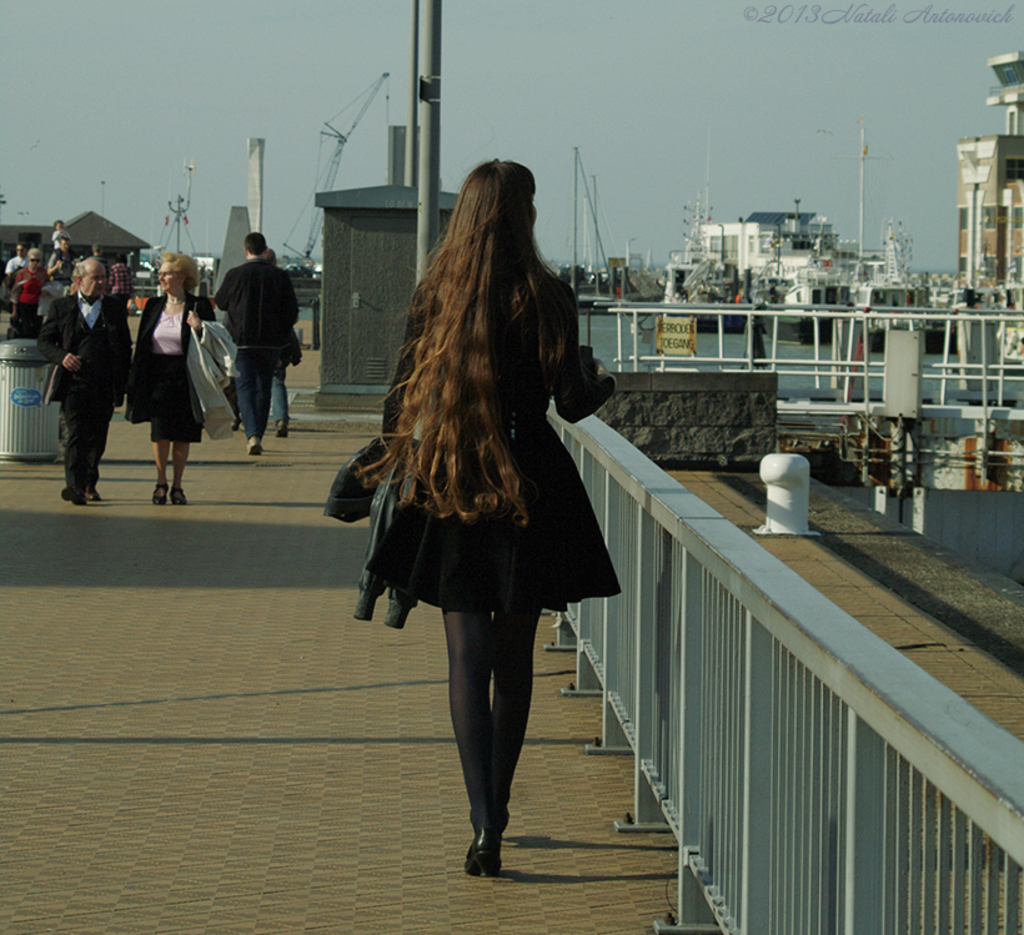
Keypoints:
pixel 788 478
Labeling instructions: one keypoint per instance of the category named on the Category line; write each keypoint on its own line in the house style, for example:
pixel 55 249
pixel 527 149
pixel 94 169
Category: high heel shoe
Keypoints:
pixel 484 856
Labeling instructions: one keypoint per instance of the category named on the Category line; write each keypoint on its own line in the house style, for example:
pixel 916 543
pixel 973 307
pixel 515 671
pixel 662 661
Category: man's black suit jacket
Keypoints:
pixel 59 336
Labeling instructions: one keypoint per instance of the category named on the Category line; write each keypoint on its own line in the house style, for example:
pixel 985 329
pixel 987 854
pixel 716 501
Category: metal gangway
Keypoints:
pixel 816 780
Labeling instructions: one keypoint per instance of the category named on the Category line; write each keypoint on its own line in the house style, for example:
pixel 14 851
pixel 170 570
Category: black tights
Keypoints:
pixel 489 735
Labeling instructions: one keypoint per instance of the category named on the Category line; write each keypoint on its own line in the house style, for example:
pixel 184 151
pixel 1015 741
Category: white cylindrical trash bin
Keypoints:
pixel 28 428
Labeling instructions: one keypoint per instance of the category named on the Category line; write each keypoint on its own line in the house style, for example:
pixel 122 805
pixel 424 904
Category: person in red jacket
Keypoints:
pixel 28 287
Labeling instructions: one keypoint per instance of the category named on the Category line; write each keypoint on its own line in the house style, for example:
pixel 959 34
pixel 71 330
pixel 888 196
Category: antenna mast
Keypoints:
pixel 179 210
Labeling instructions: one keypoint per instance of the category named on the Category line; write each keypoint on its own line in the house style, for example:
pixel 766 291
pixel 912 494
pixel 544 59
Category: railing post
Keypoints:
pixel 982 452
pixel 757 779
pixel 588 679
pixel 865 819
pixel 691 906
pixel 647 704
pixel 615 621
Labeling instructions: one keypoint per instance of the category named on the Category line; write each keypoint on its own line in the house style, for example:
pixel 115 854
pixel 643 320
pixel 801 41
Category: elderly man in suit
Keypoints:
pixel 86 337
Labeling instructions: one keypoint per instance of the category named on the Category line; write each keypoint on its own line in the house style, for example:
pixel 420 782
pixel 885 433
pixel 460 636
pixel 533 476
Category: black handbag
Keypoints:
pixel 349 499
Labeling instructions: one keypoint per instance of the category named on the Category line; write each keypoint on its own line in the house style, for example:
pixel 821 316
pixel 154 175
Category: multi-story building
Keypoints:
pixel 990 188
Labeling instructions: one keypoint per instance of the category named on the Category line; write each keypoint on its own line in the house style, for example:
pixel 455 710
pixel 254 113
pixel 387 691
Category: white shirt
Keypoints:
pixel 15 263
pixel 90 312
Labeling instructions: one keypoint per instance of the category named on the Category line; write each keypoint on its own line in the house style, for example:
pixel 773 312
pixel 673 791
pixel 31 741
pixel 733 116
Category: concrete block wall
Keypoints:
pixel 696 420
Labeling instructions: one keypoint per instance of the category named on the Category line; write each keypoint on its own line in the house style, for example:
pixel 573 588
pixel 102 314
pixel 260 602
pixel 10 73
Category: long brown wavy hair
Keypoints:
pixel 485 284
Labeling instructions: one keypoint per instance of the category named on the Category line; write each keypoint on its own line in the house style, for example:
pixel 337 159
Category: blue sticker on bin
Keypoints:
pixel 27 398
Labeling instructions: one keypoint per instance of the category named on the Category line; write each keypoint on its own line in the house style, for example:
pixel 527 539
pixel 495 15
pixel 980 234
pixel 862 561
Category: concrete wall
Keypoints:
pixel 984 526
pixel 696 420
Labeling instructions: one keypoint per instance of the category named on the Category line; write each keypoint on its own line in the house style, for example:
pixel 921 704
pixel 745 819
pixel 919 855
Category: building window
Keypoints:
pixel 1010 73
pixel 1018 217
pixel 963 219
pixel 990 218
pixel 1014 169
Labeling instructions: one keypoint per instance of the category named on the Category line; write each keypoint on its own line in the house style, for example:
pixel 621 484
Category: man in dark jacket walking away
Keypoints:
pixel 86 336
pixel 261 308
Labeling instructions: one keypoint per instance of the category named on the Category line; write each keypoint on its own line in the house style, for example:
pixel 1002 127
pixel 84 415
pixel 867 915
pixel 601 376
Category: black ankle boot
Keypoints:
pixel 484 856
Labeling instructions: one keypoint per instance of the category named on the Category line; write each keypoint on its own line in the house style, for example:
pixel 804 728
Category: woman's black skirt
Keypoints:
pixel 557 559
pixel 170 404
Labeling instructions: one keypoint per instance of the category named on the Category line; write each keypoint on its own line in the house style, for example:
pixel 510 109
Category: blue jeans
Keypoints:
pixel 255 366
pixel 279 397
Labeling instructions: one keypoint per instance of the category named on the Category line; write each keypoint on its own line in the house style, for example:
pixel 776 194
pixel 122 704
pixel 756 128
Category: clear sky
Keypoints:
pixel 104 103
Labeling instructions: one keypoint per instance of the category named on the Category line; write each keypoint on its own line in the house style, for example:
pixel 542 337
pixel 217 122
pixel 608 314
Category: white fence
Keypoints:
pixel 815 779
pixel 828 353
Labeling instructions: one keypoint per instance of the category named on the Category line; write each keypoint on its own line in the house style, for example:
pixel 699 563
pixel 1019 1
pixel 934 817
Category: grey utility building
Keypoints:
pixel 369 274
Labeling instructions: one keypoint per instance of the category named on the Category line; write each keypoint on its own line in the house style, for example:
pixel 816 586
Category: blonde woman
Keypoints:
pixel 160 391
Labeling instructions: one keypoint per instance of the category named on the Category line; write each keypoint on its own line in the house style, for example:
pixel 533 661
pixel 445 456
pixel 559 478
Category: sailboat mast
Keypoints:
pixel 860 233
pixel 575 215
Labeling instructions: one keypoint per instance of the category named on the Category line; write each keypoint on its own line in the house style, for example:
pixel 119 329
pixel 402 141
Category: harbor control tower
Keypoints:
pixel 1009 70
pixel 990 189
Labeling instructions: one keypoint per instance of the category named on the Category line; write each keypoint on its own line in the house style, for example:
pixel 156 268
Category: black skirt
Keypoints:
pixel 170 402
pixel 558 558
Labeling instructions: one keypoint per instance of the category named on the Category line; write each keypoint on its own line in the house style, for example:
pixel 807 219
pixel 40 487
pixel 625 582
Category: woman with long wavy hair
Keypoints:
pixel 494 524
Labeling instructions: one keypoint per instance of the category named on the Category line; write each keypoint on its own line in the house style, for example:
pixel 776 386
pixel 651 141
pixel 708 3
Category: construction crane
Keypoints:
pixel 325 182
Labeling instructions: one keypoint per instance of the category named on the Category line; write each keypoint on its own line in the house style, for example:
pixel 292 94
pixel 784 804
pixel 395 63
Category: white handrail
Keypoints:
pixel 840 359
pixel 815 778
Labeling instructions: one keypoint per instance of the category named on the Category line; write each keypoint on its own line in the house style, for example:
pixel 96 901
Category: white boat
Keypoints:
pixel 887 282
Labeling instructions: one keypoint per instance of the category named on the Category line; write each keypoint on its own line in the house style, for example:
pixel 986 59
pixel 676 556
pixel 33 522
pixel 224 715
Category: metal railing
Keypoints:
pixel 831 356
pixel 816 780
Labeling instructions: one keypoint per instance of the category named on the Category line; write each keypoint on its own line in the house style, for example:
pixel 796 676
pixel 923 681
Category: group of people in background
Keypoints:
pixel 182 359
pixel 32 281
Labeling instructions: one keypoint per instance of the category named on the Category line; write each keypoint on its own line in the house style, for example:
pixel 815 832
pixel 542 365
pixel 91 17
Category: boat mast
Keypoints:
pixel 575 214
pixel 860 234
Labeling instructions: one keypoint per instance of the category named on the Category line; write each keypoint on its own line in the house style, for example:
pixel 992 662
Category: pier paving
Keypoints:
pixel 197 737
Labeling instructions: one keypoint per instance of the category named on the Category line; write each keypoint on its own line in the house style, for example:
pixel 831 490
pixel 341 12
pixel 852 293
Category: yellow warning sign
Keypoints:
pixel 677 335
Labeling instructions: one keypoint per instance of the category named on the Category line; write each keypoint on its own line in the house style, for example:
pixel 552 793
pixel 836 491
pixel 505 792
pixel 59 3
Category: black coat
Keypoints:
pixel 560 556
pixel 60 335
pixel 140 379
pixel 260 303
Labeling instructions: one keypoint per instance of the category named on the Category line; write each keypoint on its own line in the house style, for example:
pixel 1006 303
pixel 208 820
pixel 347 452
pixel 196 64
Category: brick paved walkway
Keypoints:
pixel 196 736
